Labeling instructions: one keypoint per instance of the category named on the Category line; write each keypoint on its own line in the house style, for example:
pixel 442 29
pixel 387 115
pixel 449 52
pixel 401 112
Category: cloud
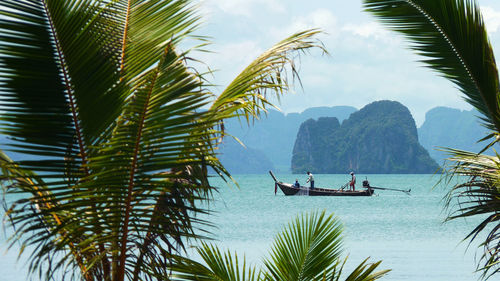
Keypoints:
pixel 358 81
pixel 366 30
pixel 246 7
pixel 230 59
pixel 319 18
pixel 240 52
pixel 368 62
pixel 491 18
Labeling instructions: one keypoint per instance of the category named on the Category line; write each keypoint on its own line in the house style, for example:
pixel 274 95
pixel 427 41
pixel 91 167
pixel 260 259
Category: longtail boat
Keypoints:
pixel 290 189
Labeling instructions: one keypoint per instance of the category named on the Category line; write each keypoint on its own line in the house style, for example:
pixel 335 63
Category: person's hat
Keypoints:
pixel 352 173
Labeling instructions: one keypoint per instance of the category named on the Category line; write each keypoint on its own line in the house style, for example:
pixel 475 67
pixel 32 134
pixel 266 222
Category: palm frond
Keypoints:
pixel 366 272
pixel 452 36
pixel 37 86
pixel 310 248
pixel 219 266
pixel 306 249
pixel 270 73
pixel 478 196
pixel 34 92
pixel 98 94
pixel 17 180
pixel 154 136
pixel 57 64
pixel 148 26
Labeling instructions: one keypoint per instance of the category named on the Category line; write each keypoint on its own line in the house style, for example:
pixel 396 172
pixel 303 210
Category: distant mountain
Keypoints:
pixel 453 128
pixel 275 134
pixel 270 141
pixel 240 160
pixel 379 138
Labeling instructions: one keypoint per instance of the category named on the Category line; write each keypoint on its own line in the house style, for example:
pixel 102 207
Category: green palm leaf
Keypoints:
pixel 153 138
pixel 38 117
pixel 38 86
pixel 147 27
pixel 310 249
pixel 247 94
pixel 80 63
pixel 307 249
pixel 366 272
pixel 219 266
pixel 453 38
pixel 452 35
pixel 478 196
pixel 99 95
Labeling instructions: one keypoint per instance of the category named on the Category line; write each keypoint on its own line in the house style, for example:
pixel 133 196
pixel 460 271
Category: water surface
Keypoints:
pixel 406 232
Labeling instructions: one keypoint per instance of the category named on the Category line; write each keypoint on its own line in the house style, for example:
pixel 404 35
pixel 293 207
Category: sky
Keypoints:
pixel 367 62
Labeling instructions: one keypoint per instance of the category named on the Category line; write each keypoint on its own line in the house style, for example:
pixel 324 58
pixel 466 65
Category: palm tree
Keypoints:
pixel 120 131
pixel 452 36
pixel 307 249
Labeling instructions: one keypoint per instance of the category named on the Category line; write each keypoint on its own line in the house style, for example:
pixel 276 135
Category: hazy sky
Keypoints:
pixel 367 62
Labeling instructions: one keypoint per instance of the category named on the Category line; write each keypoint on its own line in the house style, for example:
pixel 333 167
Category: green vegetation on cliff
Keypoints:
pixel 379 138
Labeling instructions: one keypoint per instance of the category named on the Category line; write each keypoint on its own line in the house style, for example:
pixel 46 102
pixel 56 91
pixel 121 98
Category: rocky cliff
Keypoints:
pixel 379 138
pixel 273 135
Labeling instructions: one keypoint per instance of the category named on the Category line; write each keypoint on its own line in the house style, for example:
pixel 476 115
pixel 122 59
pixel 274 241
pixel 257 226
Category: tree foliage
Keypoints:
pixel 120 130
pixel 309 248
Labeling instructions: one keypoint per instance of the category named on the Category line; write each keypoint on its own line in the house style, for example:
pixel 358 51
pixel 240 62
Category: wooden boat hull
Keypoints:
pixel 289 189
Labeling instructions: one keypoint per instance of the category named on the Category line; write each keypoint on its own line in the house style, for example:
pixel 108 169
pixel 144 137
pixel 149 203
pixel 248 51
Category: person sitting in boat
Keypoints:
pixel 310 179
pixel 353 181
pixel 296 184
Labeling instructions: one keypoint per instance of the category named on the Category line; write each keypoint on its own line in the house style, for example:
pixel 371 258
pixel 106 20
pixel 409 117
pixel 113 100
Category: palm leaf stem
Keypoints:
pixel 492 110
pixel 74 115
pixel 128 203
pixel 148 239
pixel 124 39
pixel 78 130
pixel 67 81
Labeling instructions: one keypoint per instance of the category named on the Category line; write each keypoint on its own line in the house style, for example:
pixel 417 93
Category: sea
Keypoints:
pixel 406 232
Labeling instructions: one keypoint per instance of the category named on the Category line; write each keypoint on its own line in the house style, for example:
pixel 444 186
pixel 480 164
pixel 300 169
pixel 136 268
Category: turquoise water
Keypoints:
pixel 406 232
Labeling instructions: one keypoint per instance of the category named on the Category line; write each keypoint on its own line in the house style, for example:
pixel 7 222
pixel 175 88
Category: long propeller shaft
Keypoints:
pixel 393 189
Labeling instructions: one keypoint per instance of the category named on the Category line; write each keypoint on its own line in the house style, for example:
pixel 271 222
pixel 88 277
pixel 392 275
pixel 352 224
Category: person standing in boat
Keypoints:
pixel 353 181
pixel 310 179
